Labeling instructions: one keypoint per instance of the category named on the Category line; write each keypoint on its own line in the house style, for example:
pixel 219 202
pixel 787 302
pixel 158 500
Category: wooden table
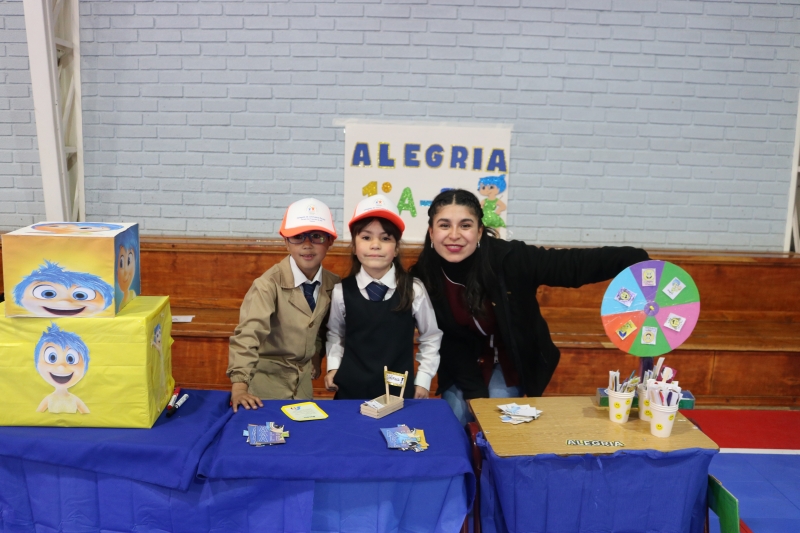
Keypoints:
pixel 573 470
pixel 568 419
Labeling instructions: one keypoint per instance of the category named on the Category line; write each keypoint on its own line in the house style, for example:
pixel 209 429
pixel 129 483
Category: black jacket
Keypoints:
pixel 520 270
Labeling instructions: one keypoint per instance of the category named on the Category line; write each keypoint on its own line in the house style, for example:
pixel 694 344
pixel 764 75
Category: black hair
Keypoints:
pixel 405 282
pixel 480 275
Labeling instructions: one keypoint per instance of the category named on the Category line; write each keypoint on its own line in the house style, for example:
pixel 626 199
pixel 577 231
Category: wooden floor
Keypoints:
pixel 745 349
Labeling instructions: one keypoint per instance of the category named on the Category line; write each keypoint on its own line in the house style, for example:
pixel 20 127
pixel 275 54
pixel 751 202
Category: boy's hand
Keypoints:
pixel 421 393
pixel 240 396
pixel 329 384
pixel 316 363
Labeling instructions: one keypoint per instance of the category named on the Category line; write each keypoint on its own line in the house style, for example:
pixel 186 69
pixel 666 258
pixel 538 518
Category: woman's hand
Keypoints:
pixel 329 384
pixel 240 396
pixel 421 393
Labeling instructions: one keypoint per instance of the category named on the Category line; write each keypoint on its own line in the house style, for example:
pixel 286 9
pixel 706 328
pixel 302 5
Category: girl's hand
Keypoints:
pixel 421 393
pixel 329 384
pixel 240 396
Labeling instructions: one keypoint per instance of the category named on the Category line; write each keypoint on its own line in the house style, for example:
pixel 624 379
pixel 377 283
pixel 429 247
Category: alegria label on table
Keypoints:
pixel 574 442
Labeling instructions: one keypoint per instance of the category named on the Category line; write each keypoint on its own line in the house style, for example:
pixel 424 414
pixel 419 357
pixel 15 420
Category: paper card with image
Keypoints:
pixel 674 288
pixel 625 297
pixel 674 322
pixel 626 329
pixel 649 335
pixel 648 277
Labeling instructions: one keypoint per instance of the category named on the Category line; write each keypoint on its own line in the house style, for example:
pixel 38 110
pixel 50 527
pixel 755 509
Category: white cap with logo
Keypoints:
pixel 306 215
pixel 379 206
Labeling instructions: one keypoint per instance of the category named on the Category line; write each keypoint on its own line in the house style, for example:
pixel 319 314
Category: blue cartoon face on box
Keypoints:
pixel 62 359
pixel 53 291
pixel 128 282
pixel 74 228
pixel 71 269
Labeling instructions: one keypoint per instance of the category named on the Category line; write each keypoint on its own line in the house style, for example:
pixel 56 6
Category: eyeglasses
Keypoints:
pixel 316 237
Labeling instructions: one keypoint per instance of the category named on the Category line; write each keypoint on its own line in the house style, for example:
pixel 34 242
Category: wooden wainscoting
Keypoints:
pixel 744 351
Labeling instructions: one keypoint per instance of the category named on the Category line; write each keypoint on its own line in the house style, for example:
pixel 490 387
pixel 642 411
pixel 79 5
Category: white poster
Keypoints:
pixel 412 163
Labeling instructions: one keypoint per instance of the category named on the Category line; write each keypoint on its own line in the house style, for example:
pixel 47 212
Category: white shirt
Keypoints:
pixel 300 278
pixel 430 336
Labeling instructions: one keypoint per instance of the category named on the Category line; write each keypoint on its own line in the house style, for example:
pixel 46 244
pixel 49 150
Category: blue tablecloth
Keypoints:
pixel 345 446
pixel 115 480
pixel 166 455
pixel 628 491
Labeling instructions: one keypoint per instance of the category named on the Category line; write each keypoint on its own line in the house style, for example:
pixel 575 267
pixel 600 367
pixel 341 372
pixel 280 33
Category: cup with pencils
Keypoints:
pixel 620 396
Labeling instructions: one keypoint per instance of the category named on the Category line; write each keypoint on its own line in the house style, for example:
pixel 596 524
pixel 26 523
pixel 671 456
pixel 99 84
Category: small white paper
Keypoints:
pixel 648 277
pixel 395 379
pixel 674 322
pixel 625 297
pixel 674 288
pixel 374 404
pixel 649 335
pixel 182 318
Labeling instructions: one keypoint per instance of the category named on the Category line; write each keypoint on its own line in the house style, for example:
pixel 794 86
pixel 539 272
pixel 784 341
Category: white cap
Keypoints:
pixel 377 206
pixel 306 215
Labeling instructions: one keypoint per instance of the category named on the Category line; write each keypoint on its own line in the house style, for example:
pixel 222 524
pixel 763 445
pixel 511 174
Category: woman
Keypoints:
pixel 483 289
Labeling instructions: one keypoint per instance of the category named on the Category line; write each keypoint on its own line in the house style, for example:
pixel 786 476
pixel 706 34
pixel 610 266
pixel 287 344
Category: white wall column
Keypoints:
pixel 52 28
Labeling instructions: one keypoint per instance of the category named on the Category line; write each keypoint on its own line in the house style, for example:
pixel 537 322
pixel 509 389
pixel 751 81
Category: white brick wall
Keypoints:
pixel 656 123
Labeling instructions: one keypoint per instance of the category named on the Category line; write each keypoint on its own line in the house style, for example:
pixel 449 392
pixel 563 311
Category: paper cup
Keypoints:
pixel 663 418
pixel 644 403
pixel 619 405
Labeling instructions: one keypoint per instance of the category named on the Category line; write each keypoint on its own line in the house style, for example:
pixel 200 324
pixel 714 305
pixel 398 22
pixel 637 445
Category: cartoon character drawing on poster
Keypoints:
pixel 127 250
pixel 62 359
pixel 160 378
pixel 74 228
pixel 53 291
pixel 491 187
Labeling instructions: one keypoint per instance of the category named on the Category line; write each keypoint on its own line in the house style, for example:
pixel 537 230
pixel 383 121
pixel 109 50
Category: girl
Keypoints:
pixel 496 343
pixel 378 306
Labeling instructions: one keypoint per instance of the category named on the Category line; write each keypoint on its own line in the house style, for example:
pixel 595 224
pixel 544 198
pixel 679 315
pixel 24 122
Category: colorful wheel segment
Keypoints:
pixel 650 308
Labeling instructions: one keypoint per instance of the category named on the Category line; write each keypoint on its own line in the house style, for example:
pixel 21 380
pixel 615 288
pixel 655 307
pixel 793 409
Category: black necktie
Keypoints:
pixel 376 291
pixel 308 292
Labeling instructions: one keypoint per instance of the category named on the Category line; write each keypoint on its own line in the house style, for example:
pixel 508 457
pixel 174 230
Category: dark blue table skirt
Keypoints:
pixel 628 491
pixel 111 480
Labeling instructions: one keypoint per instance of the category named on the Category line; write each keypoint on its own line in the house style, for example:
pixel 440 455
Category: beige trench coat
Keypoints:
pixel 277 335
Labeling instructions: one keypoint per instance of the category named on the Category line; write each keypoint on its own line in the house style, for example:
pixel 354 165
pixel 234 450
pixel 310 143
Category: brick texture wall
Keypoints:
pixel 655 123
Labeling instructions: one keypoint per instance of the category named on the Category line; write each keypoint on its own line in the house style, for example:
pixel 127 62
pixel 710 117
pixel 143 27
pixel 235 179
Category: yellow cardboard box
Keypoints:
pixel 71 269
pixel 87 372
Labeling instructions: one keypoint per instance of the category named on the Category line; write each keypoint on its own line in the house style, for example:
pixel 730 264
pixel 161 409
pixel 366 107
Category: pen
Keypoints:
pixel 178 404
pixel 175 393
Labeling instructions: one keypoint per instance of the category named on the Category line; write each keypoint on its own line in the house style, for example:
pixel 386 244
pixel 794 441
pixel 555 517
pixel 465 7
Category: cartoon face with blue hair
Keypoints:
pixel 491 186
pixel 52 291
pixel 71 228
pixel 126 266
pixel 62 359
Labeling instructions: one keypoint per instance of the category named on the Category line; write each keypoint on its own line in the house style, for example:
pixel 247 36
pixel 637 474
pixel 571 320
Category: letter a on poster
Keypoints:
pixel 412 163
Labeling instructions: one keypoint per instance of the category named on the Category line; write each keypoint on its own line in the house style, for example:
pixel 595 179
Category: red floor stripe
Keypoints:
pixel 778 430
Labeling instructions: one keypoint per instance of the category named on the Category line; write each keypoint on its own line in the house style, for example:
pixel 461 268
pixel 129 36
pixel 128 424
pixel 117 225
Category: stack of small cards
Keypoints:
pixel 517 414
pixel 404 438
pixel 266 435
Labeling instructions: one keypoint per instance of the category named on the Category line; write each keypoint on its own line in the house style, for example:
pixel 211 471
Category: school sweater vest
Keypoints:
pixel 375 336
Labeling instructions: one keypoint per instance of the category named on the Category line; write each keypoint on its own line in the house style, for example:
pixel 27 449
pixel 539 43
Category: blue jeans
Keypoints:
pixel 497 389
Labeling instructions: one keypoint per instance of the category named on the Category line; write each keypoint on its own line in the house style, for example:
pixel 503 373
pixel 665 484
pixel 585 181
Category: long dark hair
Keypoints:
pixel 429 264
pixel 405 282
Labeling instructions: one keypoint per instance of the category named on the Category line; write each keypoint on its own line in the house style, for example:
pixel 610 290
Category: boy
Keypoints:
pixel 274 352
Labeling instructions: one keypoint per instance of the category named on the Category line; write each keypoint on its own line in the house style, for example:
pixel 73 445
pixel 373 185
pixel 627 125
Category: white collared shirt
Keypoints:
pixel 300 278
pixel 430 336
